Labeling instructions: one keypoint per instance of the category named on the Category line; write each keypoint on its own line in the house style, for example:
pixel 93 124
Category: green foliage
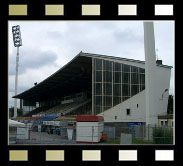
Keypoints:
pixel 11 112
pixel 134 141
pixel 140 142
pixel 113 141
pixel 163 135
pixel 170 104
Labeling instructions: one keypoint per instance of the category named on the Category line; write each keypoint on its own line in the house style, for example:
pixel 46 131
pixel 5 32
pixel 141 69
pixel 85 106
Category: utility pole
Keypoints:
pixel 17 43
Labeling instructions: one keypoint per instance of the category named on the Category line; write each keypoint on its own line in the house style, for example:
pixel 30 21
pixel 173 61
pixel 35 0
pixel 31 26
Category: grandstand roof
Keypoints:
pixel 73 77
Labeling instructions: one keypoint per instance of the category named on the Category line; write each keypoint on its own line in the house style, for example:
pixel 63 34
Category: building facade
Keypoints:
pixel 115 82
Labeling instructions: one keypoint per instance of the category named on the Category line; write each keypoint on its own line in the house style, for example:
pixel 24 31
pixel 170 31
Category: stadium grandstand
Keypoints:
pixel 92 84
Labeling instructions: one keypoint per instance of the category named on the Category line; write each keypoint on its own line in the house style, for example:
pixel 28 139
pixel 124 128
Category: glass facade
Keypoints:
pixel 114 83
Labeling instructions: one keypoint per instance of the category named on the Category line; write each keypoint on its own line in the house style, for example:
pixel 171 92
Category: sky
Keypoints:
pixel 48 45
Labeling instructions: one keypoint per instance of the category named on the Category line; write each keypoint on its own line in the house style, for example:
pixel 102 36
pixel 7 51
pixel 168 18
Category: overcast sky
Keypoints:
pixel 48 45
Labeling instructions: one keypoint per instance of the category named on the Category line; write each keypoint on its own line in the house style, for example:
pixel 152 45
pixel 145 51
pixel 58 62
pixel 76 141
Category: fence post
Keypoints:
pixel 148 132
pixel 92 134
pixel 164 135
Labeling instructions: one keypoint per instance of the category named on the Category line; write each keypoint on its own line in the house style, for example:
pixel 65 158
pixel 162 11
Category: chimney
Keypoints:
pixel 159 62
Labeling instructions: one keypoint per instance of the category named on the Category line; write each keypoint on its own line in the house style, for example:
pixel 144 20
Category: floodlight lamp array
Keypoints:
pixel 16 36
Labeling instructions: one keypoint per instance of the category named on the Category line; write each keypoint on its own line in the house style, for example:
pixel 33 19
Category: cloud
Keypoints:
pixel 31 59
pixel 27 79
pixel 52 44
pixel 128 35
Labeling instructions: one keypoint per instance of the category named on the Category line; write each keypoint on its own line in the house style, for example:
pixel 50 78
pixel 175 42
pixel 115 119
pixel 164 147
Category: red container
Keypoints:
pixel 104 136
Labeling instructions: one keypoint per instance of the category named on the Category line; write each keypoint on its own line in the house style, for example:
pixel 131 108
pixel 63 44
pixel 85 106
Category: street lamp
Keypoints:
pixel 17 43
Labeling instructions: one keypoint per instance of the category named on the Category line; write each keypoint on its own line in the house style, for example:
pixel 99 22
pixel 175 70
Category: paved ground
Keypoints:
pixel 45 138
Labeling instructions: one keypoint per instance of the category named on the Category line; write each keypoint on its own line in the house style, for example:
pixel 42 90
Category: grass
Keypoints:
pixel 113 141
pixel 134 142
pixel 140 142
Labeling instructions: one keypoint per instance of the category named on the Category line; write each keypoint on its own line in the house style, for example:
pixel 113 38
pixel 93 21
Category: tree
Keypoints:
pixel 11 112
pixel 170 105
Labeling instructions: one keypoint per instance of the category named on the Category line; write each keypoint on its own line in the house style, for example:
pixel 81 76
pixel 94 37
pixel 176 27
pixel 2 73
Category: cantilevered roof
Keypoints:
pixel 118 58
pixel 73 77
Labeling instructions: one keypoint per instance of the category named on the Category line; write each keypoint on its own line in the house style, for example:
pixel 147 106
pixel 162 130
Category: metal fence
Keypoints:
pixel 65 135
pixel 110 132
pixel 141 134
pixel 95 134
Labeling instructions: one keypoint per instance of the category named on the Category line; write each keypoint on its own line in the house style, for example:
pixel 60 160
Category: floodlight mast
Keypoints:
pixel 17 43
pixel 150 74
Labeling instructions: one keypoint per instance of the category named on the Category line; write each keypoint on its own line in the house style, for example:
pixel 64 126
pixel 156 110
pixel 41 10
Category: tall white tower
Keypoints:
pixel 17 43
pixel 150 74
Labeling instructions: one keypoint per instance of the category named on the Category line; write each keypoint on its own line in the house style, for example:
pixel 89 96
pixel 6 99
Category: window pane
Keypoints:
pixel 172 124
pixel 125 98
pixel 98 76
pixel 142 70
pixel 166 123
pixel 128 111
pixel 107 76
pixel 134 78
pixel 126 78
pixel 98 64
pixel 126 90
pixel 117 77
pixel 98 110
pixel 135 89
pixel 98 89
pixel 108 101
pixel 117 67
pixel 126 68
pixel 107 65
pixel 142 78
pixel 142 87
pixel 107 89
pixel 105 108
pixel 98 100
pixel 116 100
pixel 134 69
pixel 117 90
